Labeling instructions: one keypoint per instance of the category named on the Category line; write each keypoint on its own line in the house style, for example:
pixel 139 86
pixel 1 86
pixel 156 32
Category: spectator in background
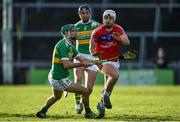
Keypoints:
pixel 160 59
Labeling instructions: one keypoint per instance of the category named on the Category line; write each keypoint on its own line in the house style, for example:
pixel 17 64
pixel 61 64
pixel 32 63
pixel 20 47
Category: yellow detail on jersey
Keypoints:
pixel 84 33
pixel 70 54
pixel 83 41
pixel 56 52
pixel 57 60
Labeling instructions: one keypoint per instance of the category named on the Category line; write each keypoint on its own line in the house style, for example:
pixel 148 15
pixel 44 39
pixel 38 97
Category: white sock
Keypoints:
pixel 78 106
pixel 106 93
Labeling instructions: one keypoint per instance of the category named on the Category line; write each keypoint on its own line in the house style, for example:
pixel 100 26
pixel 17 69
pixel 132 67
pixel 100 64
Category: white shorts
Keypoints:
pixel 60 85
pixel 115 64
pixel 93 67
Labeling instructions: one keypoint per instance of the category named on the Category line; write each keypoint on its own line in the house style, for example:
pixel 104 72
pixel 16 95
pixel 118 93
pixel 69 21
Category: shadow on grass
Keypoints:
pixel 81 117
pixel 16 117
pixel 141 118
pixel 26 116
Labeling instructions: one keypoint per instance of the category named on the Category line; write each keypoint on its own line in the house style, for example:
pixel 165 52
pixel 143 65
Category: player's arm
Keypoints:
pixel 94 53
pixel 92 47
pixel 83 62
pixel 68 64
pixel 82 58
pixel 123 39
pixel 92 44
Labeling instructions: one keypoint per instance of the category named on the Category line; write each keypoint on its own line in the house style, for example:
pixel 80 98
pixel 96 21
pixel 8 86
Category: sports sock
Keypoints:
pixel 78 106
pixel 88 110
pixel 105 93
pixel 77 98
pixel 44 110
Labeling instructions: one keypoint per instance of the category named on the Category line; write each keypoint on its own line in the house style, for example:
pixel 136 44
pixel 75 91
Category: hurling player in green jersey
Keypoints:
pixel 63 55
pixel 84 27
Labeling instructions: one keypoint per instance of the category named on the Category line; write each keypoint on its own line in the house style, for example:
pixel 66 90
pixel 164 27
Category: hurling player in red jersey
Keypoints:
pixel 107 39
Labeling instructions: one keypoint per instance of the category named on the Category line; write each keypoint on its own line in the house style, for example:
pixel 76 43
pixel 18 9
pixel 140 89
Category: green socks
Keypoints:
pixel 44 110
pixel 77 98
pixel 88 110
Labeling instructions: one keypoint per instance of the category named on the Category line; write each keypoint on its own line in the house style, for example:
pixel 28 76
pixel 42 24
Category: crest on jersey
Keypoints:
pixel 70 54
pixel 94 24
pixel 106 37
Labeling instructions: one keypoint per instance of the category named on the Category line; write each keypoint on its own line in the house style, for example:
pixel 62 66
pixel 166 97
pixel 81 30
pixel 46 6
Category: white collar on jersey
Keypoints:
pixel 86 22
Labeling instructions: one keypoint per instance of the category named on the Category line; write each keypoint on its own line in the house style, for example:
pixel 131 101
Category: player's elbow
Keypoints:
pixel 127 42
pixel 66 65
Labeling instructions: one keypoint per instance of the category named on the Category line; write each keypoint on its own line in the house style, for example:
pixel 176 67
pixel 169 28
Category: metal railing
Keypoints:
pixel 142 35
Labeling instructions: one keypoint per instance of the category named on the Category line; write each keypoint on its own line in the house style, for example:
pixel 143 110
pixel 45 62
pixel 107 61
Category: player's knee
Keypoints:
pixel 115 76
pixel 86 92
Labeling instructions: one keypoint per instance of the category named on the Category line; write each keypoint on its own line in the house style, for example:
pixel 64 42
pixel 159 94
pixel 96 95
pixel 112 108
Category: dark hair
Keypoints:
pixel 66 28
pixel 84 7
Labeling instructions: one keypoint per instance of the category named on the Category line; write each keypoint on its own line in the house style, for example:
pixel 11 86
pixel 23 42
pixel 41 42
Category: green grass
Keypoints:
pixel 132 103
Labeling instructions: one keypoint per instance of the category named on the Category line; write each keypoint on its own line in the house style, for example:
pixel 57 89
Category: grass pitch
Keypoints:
pixel 130 103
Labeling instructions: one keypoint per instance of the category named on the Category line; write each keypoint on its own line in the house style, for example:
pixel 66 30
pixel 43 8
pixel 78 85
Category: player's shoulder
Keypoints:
pixel 93 21
pixel 119 29
pixel 98 29
pixel 118 26
pixel 77 23
pixel 94 24
pixel 61 43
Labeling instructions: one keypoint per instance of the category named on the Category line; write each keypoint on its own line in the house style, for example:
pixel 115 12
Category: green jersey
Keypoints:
pixel 84 35
pixel 62 51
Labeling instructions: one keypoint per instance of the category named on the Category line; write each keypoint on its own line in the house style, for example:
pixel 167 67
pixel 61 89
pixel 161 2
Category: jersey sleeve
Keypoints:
pixel 94 36
pixel 121 30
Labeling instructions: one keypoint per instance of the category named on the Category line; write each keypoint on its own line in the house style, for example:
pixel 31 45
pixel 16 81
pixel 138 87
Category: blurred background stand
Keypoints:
pixel 34 30
pixel 7 49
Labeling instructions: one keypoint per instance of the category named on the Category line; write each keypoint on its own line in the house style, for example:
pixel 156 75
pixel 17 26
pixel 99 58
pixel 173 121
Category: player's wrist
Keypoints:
pixel 79 64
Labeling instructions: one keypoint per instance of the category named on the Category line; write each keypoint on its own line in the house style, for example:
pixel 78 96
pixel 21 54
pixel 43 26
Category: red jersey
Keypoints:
pixel 106 44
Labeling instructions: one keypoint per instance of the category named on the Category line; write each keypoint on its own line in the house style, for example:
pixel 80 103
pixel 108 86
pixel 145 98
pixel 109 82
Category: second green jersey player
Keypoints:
pixel 84 35
pixel 84 26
